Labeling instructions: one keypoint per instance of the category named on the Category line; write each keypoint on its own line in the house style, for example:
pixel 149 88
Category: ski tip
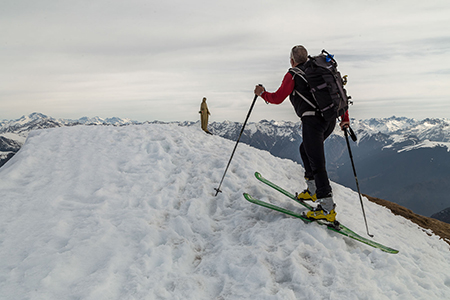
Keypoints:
pixel 248 197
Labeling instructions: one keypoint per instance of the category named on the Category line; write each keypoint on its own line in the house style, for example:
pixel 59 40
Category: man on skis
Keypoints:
pixel 315 130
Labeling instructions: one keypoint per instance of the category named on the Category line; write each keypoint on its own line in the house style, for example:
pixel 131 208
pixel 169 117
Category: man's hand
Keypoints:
pixel 344 125
pixel 259 89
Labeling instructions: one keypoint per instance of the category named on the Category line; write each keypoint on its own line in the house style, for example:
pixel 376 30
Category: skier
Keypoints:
pixel 204 113
pixel 315 129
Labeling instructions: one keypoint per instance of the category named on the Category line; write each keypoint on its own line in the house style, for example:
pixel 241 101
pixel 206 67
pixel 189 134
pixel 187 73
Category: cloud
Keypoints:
pixel 157 59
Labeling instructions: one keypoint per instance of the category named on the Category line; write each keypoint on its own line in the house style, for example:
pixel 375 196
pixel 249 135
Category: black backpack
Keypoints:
pixel 326 85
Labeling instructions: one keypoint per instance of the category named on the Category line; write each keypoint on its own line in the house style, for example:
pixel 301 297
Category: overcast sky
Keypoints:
pixel 156 60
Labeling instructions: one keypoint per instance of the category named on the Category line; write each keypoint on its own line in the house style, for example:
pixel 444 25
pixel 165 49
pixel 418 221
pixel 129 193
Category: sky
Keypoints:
pixel 155 60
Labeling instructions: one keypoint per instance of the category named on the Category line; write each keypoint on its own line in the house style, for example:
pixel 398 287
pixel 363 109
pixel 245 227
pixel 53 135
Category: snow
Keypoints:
pixel 427 144
pixel 102 212
pixel 20 138
pixel 385 126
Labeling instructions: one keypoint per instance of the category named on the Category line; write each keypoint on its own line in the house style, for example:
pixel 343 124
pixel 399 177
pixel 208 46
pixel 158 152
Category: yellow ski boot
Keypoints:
pixel 306 196
pixel 310 193
pixel 320 214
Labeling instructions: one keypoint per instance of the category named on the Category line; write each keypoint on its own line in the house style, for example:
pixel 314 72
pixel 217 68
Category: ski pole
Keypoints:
pixel 237 142
pixel 353 136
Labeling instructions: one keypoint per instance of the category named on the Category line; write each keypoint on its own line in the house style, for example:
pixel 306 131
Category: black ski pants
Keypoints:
pixel 315 131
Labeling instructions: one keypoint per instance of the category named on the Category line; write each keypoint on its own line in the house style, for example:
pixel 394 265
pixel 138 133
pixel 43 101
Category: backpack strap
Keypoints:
pixel 299 72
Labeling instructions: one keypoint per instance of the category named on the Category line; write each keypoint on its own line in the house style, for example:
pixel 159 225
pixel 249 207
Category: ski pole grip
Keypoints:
pixel 264 89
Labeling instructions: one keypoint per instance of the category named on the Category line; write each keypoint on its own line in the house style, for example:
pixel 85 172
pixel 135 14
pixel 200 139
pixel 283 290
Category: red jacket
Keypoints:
pixel 286 88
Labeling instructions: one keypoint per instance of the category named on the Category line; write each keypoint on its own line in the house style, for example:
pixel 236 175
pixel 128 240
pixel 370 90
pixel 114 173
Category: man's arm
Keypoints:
pixel 286 88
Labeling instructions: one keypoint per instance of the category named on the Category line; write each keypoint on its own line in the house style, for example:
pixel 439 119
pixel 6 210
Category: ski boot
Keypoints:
pixel 310 193
pixel 306 196
pixel 321 214
pixel 325 211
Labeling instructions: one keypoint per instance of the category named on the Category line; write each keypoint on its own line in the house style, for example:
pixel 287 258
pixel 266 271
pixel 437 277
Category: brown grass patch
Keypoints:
pixel 439 228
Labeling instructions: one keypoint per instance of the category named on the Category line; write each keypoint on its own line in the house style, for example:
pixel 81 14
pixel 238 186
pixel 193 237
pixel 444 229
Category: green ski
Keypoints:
pixel 342 229
pixel 281 190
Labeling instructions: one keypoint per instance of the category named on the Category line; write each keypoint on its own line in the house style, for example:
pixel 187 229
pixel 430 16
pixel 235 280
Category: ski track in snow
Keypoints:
pixel 95 212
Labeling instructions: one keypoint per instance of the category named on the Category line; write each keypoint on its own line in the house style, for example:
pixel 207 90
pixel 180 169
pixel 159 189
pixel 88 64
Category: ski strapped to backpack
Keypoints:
pixel 320 72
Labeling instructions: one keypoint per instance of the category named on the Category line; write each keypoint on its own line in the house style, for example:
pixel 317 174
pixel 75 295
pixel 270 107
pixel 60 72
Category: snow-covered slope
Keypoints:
pixel 13 133
pixel 387 150
pixel 129 213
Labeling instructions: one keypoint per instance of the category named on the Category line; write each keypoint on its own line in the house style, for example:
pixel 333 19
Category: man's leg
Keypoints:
pixel 315 131
pixel 310 192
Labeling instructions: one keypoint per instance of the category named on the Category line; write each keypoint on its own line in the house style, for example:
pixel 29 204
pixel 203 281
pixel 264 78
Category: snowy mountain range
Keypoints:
pixel 403 160
pixel 129 212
